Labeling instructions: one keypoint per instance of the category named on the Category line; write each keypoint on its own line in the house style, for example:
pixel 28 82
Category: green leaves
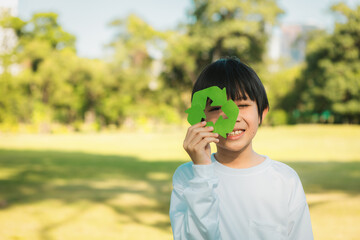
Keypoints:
pixel 216 29
pixel 331 80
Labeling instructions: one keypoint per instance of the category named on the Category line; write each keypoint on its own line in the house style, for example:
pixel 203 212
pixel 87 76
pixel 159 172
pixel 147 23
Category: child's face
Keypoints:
pixel 245 128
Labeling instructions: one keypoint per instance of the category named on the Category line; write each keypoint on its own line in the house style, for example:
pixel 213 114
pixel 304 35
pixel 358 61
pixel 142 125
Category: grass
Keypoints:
pixel 117 186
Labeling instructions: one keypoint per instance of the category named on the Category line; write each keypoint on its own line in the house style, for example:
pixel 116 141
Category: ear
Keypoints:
pixel 266 110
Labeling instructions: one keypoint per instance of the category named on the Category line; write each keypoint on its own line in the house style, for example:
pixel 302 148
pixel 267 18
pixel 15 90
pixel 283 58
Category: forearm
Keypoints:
pixel 194 210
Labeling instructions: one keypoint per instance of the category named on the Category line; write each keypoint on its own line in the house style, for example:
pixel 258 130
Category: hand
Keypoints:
pixel 197 143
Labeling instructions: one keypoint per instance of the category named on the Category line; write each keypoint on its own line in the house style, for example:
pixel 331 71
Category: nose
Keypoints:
pixel 239 117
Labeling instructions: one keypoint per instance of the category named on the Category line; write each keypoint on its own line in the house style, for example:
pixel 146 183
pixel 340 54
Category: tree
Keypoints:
pixel 329 86
pixel 279 85
pixel 135 66
pixel 39 40
pixel 37 37
pixel 54 84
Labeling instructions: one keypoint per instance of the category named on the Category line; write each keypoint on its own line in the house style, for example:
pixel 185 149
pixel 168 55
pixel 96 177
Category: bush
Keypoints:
pixel 277 117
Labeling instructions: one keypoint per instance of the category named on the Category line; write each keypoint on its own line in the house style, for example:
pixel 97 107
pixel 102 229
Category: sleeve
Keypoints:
pixel 194 207
pixel 299 224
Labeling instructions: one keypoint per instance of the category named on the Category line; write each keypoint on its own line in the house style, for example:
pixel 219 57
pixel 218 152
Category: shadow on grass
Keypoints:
pixel 319 177
pixel 34 176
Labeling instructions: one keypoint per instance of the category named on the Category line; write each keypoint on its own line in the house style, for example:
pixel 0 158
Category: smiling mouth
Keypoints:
pixel 236 132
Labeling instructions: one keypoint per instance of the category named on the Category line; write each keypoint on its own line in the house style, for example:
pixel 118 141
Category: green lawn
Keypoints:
pixel 117 186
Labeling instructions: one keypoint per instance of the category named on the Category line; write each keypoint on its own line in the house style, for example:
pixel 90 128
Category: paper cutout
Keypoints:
pixel 218 96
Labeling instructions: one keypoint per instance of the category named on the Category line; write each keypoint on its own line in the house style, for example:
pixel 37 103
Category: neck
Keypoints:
pixel 245 158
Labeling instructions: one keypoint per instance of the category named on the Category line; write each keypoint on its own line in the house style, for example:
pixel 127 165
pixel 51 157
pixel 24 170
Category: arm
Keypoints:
pixel 299 227
pixel 300 223
pixel 194 209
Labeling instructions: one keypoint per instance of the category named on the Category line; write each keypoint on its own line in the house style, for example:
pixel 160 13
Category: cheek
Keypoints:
pixel 250 115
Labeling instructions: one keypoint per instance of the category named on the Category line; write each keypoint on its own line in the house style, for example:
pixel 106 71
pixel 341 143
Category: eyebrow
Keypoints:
pixel 244 100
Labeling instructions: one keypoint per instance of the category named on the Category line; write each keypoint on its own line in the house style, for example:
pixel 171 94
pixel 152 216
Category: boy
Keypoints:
pixel 235 193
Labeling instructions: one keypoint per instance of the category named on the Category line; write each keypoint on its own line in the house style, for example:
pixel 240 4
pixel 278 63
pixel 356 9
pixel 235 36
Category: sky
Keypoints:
pixel 88 19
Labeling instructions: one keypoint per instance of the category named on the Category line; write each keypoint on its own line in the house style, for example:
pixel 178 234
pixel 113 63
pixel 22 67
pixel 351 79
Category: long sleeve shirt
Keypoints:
pixel 213 201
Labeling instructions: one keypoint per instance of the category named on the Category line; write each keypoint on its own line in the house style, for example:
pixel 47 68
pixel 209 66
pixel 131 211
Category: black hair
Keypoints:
pixel 239 79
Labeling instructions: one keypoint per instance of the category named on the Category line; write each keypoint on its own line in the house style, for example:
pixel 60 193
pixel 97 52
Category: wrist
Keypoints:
pixel 202 163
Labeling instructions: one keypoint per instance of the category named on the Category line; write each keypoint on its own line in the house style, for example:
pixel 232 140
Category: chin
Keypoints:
pixel 233 146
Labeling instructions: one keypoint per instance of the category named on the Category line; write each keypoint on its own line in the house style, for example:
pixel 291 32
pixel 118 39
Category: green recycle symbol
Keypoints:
pixel 196 112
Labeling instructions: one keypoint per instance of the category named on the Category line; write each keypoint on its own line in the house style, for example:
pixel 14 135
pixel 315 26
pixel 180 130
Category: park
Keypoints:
pixel 88 146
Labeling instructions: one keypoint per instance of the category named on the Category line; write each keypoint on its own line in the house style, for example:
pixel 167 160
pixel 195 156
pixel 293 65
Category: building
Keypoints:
pixel 288 43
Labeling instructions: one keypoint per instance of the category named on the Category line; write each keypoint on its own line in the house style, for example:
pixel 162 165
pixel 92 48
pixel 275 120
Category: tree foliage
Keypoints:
pixel 216 29
pixel 329 87
pixel 37 37
pixel 136 64
pixel 149 73
pixel 54 84
pixel 279 86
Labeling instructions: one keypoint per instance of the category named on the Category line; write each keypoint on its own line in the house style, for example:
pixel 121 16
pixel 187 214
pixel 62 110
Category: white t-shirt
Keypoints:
pixel 213 201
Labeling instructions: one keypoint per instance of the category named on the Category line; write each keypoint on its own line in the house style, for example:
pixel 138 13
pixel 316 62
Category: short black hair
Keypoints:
pixel 239 79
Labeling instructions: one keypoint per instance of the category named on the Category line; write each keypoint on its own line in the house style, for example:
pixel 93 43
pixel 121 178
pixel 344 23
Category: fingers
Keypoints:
pixel 194 130
pixel 197 140
pixel 202 144
pixel 199 133
pixel 191 130
pixel 194 127
pixel 199 136
pixel 199 127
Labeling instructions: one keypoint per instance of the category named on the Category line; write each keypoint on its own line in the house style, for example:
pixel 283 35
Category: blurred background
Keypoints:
pixel 93 97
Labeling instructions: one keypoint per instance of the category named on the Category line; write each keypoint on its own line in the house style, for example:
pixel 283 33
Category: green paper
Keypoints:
pixel 218 96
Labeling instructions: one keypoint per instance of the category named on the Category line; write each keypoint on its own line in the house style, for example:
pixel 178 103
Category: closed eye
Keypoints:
pixel 243 105
pixel 214 109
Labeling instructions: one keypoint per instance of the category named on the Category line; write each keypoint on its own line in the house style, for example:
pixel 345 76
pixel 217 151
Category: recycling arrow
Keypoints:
pixel 218 96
